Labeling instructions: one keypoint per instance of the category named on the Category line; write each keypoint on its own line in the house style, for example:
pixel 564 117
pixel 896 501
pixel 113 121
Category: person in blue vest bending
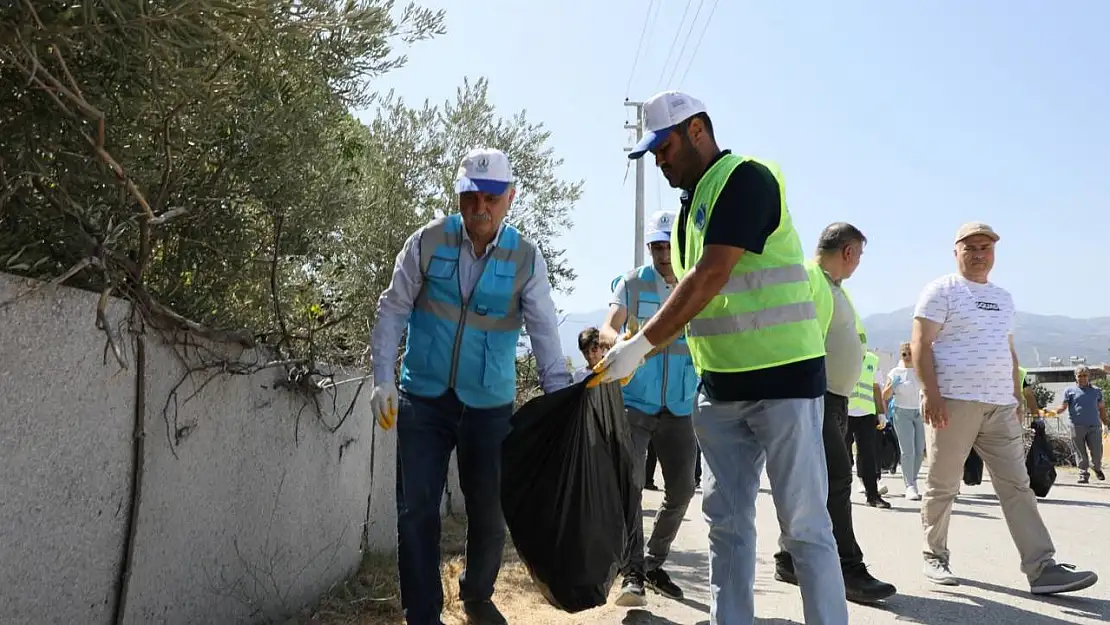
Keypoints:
pixel 658 401
pixel 463 286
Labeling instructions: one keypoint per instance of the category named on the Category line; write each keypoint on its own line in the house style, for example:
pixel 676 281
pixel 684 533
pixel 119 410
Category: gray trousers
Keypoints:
pixel 1088 436
pixel 675 447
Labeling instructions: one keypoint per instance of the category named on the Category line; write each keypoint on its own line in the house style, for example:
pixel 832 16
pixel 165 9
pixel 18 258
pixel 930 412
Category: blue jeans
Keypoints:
pixel 427 430
pixel 911 441
pixel 737 439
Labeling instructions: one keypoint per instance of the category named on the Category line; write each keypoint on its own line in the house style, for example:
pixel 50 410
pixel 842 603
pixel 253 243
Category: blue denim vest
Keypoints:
pixel 667 379
pixel 468 345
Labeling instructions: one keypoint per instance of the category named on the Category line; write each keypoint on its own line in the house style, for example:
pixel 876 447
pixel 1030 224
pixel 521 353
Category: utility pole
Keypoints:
pixel 639 128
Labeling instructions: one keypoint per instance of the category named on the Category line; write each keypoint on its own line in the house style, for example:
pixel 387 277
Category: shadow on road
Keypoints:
pixel 955 511
pixel 1067 502
pixel 764 621
pixel 962 608
pixel 986 499
pixel 643 617
pixel 1073 605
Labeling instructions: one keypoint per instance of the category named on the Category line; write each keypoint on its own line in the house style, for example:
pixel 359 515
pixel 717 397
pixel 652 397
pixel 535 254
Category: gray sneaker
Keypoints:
pixel 938 572
pixel 1062 578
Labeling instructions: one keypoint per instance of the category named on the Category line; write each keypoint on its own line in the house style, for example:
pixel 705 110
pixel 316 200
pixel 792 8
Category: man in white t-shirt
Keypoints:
pixel 963 352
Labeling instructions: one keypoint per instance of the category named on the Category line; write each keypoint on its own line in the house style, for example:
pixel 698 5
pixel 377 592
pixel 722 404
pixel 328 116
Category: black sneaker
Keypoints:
pixel 784 571
pixel 1084 479
pixel 1100 475
pixel 483 613
pixel 861 587
pixel 878 502
pixel 660 582
pixel 632 592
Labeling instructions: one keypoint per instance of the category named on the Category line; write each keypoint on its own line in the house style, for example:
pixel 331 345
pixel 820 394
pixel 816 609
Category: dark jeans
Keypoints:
pixel 427 430
pixel 697 467
pixel 839 464
pixel 649 470
pixel 863 431
pixel 674 442
pixel 649 467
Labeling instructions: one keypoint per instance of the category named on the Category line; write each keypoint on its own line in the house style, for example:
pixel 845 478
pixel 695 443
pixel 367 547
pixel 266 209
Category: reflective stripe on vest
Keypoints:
pixel 765 315
pixel 467 342
pixel 863 396
pixel 667 379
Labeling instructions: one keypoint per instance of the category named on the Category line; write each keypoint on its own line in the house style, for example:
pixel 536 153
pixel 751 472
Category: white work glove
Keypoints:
pixel 383 404
pixel 622 360
pixel 882 421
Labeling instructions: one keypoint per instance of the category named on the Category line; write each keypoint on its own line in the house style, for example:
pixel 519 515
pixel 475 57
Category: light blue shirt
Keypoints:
pixel 396 302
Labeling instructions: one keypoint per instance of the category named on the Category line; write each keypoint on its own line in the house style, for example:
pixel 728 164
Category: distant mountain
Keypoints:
pixel 1048 335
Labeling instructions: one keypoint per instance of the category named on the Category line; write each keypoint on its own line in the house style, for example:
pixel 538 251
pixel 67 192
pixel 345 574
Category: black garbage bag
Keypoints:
pixel 889 451
pixel 568 494
pixel 1039 462
pixel 973 469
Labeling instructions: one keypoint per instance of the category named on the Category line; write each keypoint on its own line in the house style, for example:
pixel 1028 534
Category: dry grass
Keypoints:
pixel 372 596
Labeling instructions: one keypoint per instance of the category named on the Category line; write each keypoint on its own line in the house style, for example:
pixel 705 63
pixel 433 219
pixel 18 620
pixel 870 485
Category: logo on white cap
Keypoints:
pixel 662 112
pixel 485 170
pixel 659 227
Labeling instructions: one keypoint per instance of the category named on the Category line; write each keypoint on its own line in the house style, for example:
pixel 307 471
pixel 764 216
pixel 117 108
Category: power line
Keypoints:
pixel 697 46
pixel 639 46
pixel 677 32
pixel 678 59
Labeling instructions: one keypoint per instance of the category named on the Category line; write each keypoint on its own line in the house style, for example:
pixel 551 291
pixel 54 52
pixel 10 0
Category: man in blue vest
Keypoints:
pixel 658 401
pixel 463 286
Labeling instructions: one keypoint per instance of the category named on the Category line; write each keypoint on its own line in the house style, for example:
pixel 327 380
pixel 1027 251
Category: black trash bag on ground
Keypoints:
pixel 889 451
pixel 1039 462
pixel 568 494
pixel 973 469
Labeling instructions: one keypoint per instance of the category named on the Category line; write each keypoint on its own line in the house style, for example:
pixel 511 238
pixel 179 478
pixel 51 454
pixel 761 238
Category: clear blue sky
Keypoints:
pixel 904 118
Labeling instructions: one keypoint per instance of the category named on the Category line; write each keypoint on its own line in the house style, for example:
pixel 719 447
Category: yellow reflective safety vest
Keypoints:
pixel 764 316
pixel 823 300
pixel 863 397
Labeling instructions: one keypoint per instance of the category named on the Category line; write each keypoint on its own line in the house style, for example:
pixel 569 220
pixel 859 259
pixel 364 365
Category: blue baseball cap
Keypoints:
pixel 485 170
pixel 662 112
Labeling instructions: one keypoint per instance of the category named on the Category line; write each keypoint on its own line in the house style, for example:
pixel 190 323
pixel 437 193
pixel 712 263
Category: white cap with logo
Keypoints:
pixel 659 227
pixel 662 112
pixel 485 170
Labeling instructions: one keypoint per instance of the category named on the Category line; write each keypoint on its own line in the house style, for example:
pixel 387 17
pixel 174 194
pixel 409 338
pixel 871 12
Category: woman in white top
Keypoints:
pixel 901 383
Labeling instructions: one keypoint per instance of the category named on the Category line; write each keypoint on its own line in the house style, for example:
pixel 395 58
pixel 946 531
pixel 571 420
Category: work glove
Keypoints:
pixel 383 404
pixel 882 422
pixel 622 360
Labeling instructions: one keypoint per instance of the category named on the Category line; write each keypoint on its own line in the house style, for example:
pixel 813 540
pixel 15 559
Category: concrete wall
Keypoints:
pixel 248 506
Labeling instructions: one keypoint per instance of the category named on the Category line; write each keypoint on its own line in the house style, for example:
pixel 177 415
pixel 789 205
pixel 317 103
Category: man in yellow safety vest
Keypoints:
pixel 743 296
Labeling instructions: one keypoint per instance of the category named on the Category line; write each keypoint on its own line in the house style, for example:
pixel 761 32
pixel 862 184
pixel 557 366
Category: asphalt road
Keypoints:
pixel 993 591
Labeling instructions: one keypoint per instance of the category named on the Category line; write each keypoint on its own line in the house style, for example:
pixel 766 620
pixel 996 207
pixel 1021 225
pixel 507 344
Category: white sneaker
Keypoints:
pixel 938 572
pixel 912 494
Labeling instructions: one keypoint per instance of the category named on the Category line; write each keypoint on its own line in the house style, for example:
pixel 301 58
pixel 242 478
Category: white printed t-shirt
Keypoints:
pixel 905 387
pixel 972 348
